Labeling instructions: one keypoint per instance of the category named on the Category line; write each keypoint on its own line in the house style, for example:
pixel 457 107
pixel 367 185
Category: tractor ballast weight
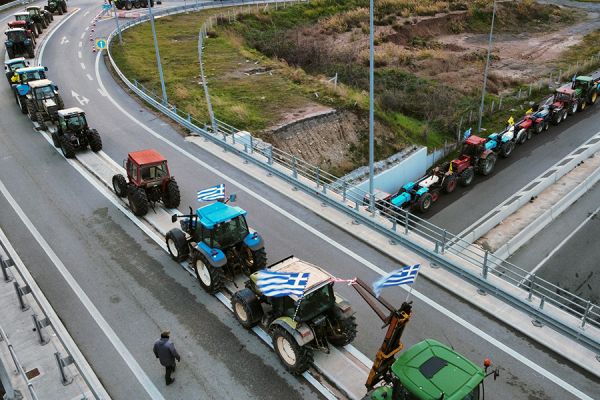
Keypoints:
pixel 19 43
pixel 73 133
pixel 43 102
pixel 20 83
pixel 298 325
pixel 148 182
pixel 218 243
pixel 56 6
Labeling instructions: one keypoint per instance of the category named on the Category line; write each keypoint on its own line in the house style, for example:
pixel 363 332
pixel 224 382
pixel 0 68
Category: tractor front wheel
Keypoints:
pixel 119 185
pixel 255 259
pixel 573 108
pixel 55 140
pixel 424 202
pixel 344 332
pixel 171 196
pixel 177 244
pixel 138 201
pixel 246 308
pixel 67 147
pixel 95 140
pixel 449 184
pixel 486 165
pixel 466 177
pixel 129 5
pixel 507 148
pixel 295 358
pixel 556 117
pixel 22 104
pixel 210 278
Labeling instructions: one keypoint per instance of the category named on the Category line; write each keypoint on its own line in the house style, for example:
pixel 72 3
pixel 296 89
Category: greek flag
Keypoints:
pixel 279 284
pixel 404 276
pixel 574 78
pixel 213 193
pixel 466 134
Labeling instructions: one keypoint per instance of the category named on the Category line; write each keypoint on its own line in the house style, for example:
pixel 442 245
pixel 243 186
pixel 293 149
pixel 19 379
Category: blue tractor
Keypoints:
pixel 13 64
pixel 218 243
pixel 415 196
pixel 20 83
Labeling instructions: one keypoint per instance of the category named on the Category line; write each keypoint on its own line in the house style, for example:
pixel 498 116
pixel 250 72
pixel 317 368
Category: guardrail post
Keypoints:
pixel 318 176
pixel 344 186
pixel 294 171
pixel 484 269
pixel 62 363
pixel 233 137
pixel 251 144
pixel 586 313
pixel 189 118
pixel 444 241
pixel 5 264
pixel 270 155
pixel 39 325
pixel 406 215
pixel 24 307
pixel 531 283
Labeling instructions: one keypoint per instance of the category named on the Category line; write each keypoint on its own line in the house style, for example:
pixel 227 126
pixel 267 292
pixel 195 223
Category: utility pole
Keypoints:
pixel 371 110
pixel 487 65
pixel 117 22
pixel 160 70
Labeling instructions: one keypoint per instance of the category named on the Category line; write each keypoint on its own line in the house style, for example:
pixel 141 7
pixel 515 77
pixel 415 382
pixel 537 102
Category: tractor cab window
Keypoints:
pixel 471 150
pixel 16 36
pixel 230 233
pixel 17 65
pixel 22 18
pixel 152 172
pixel 283 306
pixel 33 76
pixel 32 11
pixel 562 96
pixel 75 122
pixel 44 92
pixel 204 234
pixel 316 303
pixel 132 170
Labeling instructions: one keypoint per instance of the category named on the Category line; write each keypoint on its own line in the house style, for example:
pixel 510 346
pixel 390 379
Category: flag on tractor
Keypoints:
pixel 403 276
pixel 279 284
pixel 511 121
pixel 466 134
pixel 212 193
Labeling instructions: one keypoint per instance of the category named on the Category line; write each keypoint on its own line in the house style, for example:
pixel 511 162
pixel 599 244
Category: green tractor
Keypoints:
pixel 56 6
pixel 40 16
pixel 297 325
pixel 586 91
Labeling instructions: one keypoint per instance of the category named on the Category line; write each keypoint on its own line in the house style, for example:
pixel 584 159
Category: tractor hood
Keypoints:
pixel 48 103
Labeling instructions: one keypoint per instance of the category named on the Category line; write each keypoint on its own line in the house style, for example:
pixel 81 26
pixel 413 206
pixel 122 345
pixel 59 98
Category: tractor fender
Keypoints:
pixel 299 330
pixel 215 257
pixel 254 241
pixel 22 89
pixel 422 191
pixel 342 309
pixel 486 153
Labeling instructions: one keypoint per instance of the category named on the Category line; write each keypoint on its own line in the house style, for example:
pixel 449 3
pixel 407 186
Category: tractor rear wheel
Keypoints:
pixel 94 140
pixel 582 105
pixel 344 332
pixel 171 196
pixel 424 202
pixel 39 117
pixel 64 7
pixel 137 3
pixel 177 244
pixel 39 28
pixel 11 53
pixel 129 5
pixel 138 201
pixel 119 185
pixel 30 52
pixel 67 147
pixel 546 125
pixel 507 148
pixel 295 358
pixel 60 10
pixel 449 184
pixel 486 165
pixel 55 140
pixel 210 278
pixel 573 108
pixel 539 127
pixel 466 177
pixel 255 259
pixel 246 308
pixel 119 5
pixel 22 104
pixel 556 117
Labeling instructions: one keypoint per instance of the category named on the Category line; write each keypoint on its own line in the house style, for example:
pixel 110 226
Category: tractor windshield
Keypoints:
pixel 230 233
pixel 33 76
pixel 154 172
pixel 471 150
pixel 315 303
pixel 17 65
pixel 33 11
pixel 44 92
pixel 75 122
pixel 22 17
pixel 560 96
pixel 16 36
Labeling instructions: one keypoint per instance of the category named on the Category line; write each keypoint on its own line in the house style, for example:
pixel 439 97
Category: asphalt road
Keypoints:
pixel 139 290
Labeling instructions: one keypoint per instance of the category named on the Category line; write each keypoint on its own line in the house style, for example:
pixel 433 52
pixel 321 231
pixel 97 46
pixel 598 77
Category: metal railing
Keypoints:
pixel 421 236
pixel 17 363
pixel 14 3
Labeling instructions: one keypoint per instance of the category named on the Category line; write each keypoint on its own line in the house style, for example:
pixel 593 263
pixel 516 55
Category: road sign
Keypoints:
pixel 101 44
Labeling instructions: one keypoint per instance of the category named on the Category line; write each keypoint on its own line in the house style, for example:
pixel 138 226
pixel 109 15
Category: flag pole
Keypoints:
pixel 411 286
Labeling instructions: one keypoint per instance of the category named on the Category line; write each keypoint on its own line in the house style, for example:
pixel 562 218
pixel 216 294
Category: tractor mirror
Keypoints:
pixel 45 68
pixel 232 198
pixel 174 218
pixel 27 63
pixel 55 87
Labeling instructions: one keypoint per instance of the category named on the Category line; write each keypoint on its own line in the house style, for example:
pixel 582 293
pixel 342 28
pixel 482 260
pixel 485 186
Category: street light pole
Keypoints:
pixel 117 22
pixel 371 110
pixel 160 70
pixel 487 65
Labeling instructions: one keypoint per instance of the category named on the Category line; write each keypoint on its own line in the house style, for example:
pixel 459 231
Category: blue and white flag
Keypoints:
pixel 404 276
pixel 213 193
pixel 466 134
pixel 574 78
pixel 279 284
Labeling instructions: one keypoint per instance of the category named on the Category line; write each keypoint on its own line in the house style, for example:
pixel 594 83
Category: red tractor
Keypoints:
pixel 564 103
pixel 148 181
pixel 23 25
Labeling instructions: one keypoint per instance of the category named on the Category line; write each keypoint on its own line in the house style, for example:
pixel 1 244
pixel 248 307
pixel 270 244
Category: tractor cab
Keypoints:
pixel 24 75
pixel 43 90
pixel 72 119
pixel 473 146
pixel 222 226
pixel 582 83
pixel 563 95
pixel 24 16
pixel 16 35
pixel 146 168
pixel 19 42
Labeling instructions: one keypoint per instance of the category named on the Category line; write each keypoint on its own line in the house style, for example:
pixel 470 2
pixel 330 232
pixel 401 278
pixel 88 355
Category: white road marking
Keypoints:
pixel 102 93
pixel 82 65
pixel 82 35
pixel 79 53
pixel 43 48
pixel 89 77
pixel 110 334
pixel 86 13
pixel 64 40
pixel 79 44
pixel 467 325
pixel 81 99
pixel 86 28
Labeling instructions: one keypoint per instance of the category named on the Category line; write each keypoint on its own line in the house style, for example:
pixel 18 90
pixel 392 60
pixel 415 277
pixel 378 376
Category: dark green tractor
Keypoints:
pixel 32 25
pixel 74 133
pixel 40 16
pixel 56 6
pixel 586 91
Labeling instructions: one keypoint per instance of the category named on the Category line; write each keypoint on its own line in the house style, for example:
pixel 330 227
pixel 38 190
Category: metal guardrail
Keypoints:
pixel 14 3
pixel 17 363
pixel 398 225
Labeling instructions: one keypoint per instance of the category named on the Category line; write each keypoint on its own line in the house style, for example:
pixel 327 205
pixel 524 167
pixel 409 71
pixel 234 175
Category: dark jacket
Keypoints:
pixel 165 351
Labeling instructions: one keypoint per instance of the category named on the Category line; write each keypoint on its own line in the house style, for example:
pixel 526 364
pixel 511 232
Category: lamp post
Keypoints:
pixel 371 111
pixel 160 70
pixel 117 22
pixel 487 65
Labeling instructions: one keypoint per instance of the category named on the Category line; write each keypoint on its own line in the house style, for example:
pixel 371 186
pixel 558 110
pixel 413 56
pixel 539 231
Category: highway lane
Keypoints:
pixel 106 118
pixel 428 323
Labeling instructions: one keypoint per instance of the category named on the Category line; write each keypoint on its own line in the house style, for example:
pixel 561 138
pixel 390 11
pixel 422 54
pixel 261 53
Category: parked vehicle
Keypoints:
pixel 73 133
pixel 32 25
pixel 20 83
pixel 56 6
pixel 13 64
pixel 586 91
pixel 39 15
pixel 563 104
pixel 23 25
pixel 43 102
pixel 17 43
pixel 534 121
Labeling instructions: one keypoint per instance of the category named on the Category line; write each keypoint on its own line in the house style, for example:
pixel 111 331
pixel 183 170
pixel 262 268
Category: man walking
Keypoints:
pixel 165 351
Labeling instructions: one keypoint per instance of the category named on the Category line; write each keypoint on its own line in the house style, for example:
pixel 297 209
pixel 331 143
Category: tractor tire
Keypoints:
pixel 246 308
pixel 565 114
pixel 55 140
pixel 424 202
pixel 119 5
pixel 39 117
pixel 129 5
pixel 574 108
pixel 255 260
pixel 171 196
pixel 522 136
pixel 582 105
pixel 344 333
pixel 177 244
pixel 210 278
pixel 546 125
pixel 64 7
pixel 94 140
pixel 11 53
pixel 44 23
pixel 119 185
pixel 539 128
pixel 60 102
pixel 593 98
pixel 38 27
pixel 138 201
pixel 31 52
pixel 466 177
pixel 137 3
pixel 449 184
pixel 556 117
pixel 22 104
pixel 486 165
pixel 67 147
pixel 295 358
pixel 59 10
pixel 507 148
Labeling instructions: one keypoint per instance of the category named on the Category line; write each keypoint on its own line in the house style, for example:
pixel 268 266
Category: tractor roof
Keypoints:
pixel 218 212
pixel 29 69
pixel 317 278
pixel 431 370
pixel 14 30
pixel 13 23
pixel 568 91
pixel 144 157
pixel 20 14
pixel 584 78
pixel 475 140
pixel 69 111
pixel 35 7
pixel 40 83
pixel 14 61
